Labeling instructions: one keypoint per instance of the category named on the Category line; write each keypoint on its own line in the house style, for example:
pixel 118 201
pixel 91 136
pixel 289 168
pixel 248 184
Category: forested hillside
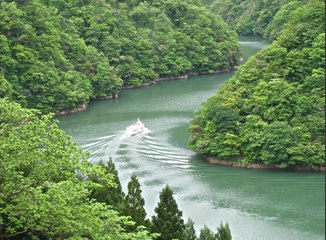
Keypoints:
pixel 273 110
pixel 45 184
pixel 57 55
pixel 256 17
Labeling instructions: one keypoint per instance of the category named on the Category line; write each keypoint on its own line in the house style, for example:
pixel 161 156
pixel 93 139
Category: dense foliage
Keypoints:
pixel 206 234
pixel 272 110
pixel 189 231
pixel 136 203
pixel 168 219
pixel 256 17
pixel 45 188
pixel 110 194
pixel 56 55
pixel 223 232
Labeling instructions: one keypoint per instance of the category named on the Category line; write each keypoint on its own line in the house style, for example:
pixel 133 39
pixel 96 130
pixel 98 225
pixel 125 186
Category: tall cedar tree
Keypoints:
pixel 224 232
pixel 135 202
pixel 110 194
pixel 168 219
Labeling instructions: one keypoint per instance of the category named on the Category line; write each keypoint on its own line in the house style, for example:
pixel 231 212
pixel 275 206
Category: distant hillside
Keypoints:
pixel 273 110
pixel 57 55
pixel 256 17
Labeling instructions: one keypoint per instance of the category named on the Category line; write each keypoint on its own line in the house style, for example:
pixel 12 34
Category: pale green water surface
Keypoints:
pixel 258 204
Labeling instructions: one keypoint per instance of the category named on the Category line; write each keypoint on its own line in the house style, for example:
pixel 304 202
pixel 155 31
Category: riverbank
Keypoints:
pixel 71 111
pixel 180 77
pixel 147 84
pixel 215 161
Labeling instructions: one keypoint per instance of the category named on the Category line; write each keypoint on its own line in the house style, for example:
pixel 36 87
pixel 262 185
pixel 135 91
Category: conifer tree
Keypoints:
pixel 190 232
pixel 135 202
pixel 206 234
pixel 111 195
pixel 224 232
pixel 168 219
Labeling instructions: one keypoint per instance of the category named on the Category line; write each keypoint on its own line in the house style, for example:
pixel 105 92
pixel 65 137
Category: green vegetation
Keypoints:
pixel 272 110
pixel 256 17
pixel 48 189
pixel 223 233
pixel 45 183
pixel 57 55
pixel 206 234
pixel 135 203
pixel 189 231
pixel 168 219
pixel 110 194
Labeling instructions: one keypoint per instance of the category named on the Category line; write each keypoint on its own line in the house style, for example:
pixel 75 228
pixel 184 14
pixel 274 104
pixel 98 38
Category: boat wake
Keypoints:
pixel 105 146
pixel 137 142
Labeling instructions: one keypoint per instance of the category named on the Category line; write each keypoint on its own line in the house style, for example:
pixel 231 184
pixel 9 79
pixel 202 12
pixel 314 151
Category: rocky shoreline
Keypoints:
pixel 71 111
pixel 215 161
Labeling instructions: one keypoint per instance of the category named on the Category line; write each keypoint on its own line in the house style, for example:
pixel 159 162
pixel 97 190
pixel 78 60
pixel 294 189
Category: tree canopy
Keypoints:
pixel 57 55
pixel 168 220
pixel 45 185
pixel 135 203
pixel 273 110
pixel 256 17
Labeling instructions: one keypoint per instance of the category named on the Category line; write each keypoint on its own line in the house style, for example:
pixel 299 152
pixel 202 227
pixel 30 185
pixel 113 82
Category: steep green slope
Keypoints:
pixel 258 17
pixel 56 55
pixel 44 63
pixel 272 110
pixel 45 188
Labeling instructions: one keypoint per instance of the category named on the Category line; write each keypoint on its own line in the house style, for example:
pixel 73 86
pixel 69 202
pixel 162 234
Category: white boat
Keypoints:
pixel 135 129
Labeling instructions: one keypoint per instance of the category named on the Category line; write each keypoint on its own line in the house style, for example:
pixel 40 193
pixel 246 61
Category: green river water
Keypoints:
pixel 257 204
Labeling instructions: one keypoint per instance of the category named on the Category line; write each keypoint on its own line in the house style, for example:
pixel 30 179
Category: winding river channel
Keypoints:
pixel 257 204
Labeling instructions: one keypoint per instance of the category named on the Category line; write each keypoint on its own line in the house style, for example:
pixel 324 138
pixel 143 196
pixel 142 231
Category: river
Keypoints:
pixel 257 204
